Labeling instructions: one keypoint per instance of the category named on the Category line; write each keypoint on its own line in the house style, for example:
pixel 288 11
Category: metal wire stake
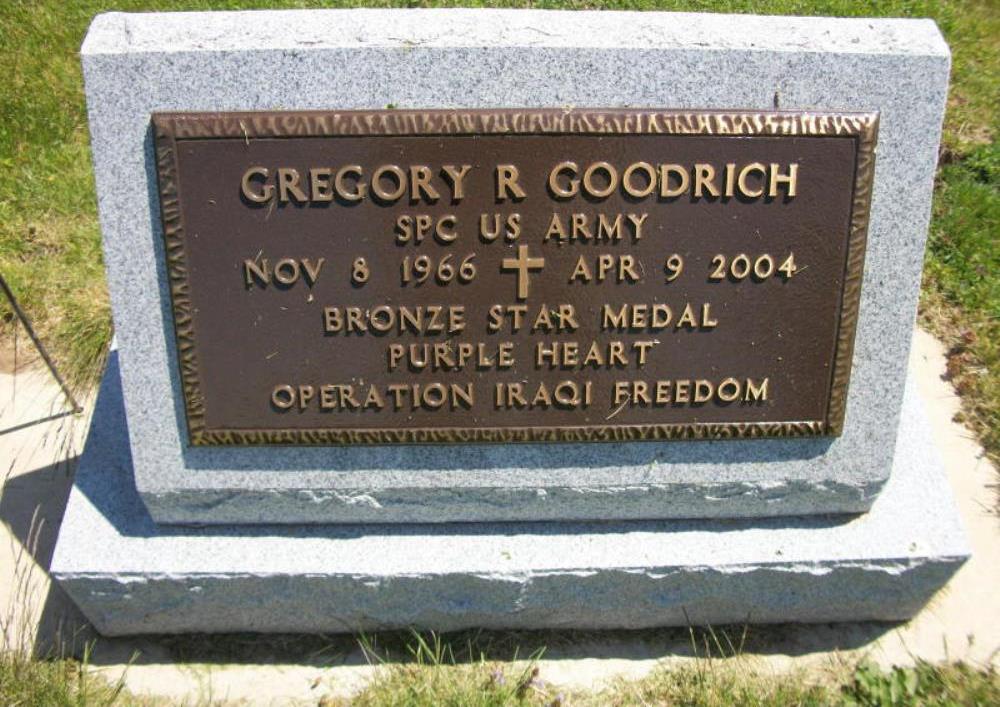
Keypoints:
pixel 38 344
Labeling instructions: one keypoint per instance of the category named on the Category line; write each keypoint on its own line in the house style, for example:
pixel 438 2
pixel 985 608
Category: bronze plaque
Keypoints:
pixel 513 275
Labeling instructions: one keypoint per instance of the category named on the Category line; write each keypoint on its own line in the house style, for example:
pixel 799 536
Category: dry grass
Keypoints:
pixel 718 677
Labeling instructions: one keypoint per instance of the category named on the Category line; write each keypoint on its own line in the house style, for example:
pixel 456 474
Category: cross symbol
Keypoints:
pixel 522 263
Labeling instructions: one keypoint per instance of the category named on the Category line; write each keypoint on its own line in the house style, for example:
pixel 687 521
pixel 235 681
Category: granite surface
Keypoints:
pixel 137 64
pixel 130 575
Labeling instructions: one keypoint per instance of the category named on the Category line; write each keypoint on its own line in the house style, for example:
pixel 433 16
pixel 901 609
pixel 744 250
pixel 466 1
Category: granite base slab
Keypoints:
pixel 131 576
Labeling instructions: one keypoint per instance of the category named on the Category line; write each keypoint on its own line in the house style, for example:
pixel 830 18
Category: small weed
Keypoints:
pixel 924 684
pixel 432 676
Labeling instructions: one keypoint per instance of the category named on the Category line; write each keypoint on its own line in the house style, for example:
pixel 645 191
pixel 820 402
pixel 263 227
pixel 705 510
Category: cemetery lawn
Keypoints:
pixel 708 684
pixel 50 243
pixel 433 677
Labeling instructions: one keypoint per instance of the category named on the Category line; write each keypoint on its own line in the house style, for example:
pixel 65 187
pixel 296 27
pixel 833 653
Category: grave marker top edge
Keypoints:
pixel 116 32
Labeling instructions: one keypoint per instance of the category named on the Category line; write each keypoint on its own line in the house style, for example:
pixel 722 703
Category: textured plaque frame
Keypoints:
pixel 171 127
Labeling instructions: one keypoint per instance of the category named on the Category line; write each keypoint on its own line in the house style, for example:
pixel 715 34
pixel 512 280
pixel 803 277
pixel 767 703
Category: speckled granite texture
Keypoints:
pixel 137 64
pixel 130 575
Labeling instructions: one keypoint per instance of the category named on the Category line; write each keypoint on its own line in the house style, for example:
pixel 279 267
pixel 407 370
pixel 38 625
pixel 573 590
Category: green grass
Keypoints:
pixel 55 683
pixel 470 670
pixel 433 680
pixel 962 284
pixel 434 677
pixel 925 685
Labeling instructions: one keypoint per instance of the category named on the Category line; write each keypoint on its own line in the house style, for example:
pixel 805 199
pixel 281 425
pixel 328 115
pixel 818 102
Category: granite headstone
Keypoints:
pixel 176 525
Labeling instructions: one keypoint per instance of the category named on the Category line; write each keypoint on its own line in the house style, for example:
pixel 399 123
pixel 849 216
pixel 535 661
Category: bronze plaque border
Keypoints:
pixel 170 127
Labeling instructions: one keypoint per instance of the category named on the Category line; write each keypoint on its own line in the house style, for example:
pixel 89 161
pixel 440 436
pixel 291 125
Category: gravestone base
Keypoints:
pixel 131 576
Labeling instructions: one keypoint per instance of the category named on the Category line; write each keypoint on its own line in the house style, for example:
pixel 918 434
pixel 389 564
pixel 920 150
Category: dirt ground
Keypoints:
pixel 38 447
